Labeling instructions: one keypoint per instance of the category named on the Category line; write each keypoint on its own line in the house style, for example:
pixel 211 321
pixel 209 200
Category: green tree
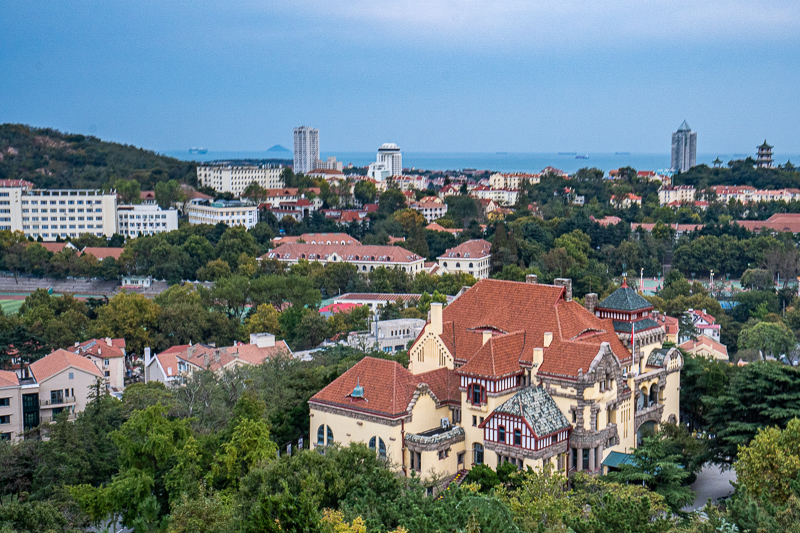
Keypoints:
pixel 168 193
pixel 769 337
pixel 263 320
pixel 365 192
pixel 235 242
pixel 130 316
pixel 390 201
pixel 128 191
pixel 769 467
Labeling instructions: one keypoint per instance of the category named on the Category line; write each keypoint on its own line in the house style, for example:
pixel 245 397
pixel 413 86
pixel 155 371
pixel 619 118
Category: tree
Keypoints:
pixel 214 271
pixel 178 303
pixel 235 242
pixel 255 192
pixel 770 338
pixel 128 191
pixel 758 279
pixel 263 320
pixel 390 201
pixel 654 466
pixel 365 192
pixel 769 467
pixel 130 316
pixel 168 193
pixel 231 295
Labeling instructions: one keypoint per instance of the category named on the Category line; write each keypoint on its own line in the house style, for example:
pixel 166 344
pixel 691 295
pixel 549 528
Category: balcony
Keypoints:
pixel 435 439
pixel 649 413
pixel 52 419
pixel 57 402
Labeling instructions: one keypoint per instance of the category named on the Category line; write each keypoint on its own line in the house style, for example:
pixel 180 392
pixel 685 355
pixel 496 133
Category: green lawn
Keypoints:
pixel 11 306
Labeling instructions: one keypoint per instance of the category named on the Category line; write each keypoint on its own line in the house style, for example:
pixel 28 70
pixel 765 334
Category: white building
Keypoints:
pixel 389 163
pixel 224 177
pixel 52 213
pixel 232 213
pixel 676 193
pixel 306 149
pixel 330 164
pixel 684 148
pixel 387 335
pixel 430 208
pixel 513 181
pixel 135 220
pixel 504 197
pixel 471 257
pixel 365 257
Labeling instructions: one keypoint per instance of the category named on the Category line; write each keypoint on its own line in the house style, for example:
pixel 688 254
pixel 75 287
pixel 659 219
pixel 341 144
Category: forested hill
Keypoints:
pixel 52 159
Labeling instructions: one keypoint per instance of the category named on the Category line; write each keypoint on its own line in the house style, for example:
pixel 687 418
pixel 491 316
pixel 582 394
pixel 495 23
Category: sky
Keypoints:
pixel 430 75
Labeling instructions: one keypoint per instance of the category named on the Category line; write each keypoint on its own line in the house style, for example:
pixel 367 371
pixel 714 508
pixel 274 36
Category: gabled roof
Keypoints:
pixel 624 299
pixel 474 249
pixel 348 252
pixel 498 358
pixel 388 388
pixel 102 253
pixel 444 383
pixel 538 409
pixel 8 379
pixel 100 348
pixel 58 361
pixel 507 307
pixel 703 341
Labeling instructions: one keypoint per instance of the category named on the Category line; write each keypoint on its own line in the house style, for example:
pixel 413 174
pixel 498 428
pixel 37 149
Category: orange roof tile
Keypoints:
pixel 60 360
pixel 102 253
pixel 99 348
pixel 474 249
pixel 702 340
pixel 350 252
pixel 8 379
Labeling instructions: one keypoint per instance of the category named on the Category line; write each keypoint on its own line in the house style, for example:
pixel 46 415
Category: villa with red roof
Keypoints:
pixel 365 257
pixel 510 372
pixel 471 257
pixel 704 324
pixel 108 355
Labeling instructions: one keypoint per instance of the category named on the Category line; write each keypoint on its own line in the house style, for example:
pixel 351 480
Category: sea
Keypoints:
pixel 494 161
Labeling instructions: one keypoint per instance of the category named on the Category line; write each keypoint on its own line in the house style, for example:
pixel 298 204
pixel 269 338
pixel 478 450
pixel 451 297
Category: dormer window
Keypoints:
pixel 476 394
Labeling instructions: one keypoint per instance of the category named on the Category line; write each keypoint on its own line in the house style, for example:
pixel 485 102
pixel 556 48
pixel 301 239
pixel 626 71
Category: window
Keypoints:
pixel 501 434
pixel 321 436
pixel 381 446
pixel 474 421
pixel 330 435
pixel 477 454
pixel 5 419
pixel 107 373
pixel 477 394
pixel 460 458
pixel 517 437
pixel 5 436
pixel 5 402
pixel 416 461
pixel 71 375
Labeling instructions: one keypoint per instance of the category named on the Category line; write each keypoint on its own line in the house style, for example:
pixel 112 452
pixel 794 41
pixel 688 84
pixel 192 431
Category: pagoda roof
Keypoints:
pixel 625 299
pixel 765 145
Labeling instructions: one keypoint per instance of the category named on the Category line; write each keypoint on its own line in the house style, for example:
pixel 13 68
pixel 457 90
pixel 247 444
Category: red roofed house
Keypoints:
pixel 430 207
pixel 366 257
pixel 707 347
pixel 508 372
pixel 176 363
pixel 102 253
pixel 704 324
pixel 471 257
pixel 435 226
pixel 108 355
pixel 626 201
pixel 333 308
pixel 317 238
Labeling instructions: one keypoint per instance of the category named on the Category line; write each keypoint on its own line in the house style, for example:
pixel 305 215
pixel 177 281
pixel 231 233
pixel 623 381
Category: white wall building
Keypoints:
pixel 677 193
pixel 471 257
pixel 430 209
pixel 135 220
pixel 232 213
pixel 330 164
pixel 225 177
pixel 389 162
pixel 52 213
pixel 365 257
pixel 389 336
pixel 306 149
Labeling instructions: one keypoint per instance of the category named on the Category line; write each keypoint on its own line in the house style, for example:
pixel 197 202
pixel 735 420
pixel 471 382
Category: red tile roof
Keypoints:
pixel 100 348
pixel 433 226
pixel 786 222
pixel 444 383
pixel 499 357
pixel 378 297
pixel 339 308
pixel 702 340
pixel 474 249
pixel 535 309
pixel 16 183
pixel 60 360
pixel 353 252
pixel 54 247
pixel 102 253
pixel 318 238
pixel 8 379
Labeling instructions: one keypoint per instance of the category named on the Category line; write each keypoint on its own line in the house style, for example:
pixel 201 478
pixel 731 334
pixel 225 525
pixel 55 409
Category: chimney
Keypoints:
pixel 436 318
pixel 548 338
pixel 147 356
pixel 532 278
pixel 590 302
pixel 206 360
pixel 77 344
pixel 567 284
pixel 486 336
pixel 216 356
pixel 99 351
pixel 108 341
pixel 538 357
pixel 190 351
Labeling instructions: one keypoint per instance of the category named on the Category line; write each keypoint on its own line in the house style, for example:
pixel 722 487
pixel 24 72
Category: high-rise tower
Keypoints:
pixel 306 149
pixel 684 148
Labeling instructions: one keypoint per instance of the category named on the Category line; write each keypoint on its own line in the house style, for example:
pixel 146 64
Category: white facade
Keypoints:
pixel 230 213
pixel 389 163
pixel 235 179
pixel 387 335
pixel 52 213
pixel 330 164
pixel 135 220
pixel 678 193
pixel 430 210
pixel 306 149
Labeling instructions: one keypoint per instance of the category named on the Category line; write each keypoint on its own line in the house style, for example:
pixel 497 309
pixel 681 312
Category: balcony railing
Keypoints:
pixel 52 419
pixel 58 401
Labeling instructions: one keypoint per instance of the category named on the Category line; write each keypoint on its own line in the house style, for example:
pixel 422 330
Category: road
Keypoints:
pixel 711 484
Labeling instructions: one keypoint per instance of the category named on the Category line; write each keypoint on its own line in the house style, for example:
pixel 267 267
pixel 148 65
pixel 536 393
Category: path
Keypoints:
pixel 711 484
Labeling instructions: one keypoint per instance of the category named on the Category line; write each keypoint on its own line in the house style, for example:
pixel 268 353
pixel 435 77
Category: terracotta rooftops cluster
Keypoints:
pixel 349 252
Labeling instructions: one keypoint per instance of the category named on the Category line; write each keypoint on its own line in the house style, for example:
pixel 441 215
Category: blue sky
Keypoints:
pixel 431 75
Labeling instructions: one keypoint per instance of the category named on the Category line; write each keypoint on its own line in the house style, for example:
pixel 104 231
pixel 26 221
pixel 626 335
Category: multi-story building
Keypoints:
pixel 684 148
pixel 504 197
pixel 676 193
pixel 389 163
pixel 177 363
pixel 704 324
pixel 38 393
pixel 317 238
pixel 108 355
pixel 53 213
pixel 330 164
pixel 375 300
pixel 764 156
pixel 472 257
pixel 227 177
pixel 306 149
pixel 509 372
pixel 145 219
pixel 366 258
pixel 230 212
pixel 430 207
pixel 513 181
pixel 276 197
pixel 626 200
pixel 387 335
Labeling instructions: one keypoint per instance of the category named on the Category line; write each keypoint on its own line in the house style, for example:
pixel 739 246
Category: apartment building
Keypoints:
pixel 53 213
pixel 366 258
pixel 227 177
pixel 177 363
pixel 306 149
pixel 430 207
pixel 145 219
pixel 472 257
pixel 55 383
pixel 676 193
pixel 503 197
pixel 276 197
pixel 388 336
pixel 108 355
pixel 230 212
pixel 510 372
pixel 513 181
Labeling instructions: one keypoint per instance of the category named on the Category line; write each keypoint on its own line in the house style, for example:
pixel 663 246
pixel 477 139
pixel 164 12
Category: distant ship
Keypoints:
pixel 622 153
pixel 567 153
pixel 501 153
pixel 586 156
pixel 196 150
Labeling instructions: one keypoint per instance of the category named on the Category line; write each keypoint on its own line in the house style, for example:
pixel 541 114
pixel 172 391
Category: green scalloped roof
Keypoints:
pixel 625 299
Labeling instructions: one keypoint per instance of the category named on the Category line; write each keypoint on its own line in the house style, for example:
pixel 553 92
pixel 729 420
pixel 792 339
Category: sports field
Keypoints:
pixel 11 306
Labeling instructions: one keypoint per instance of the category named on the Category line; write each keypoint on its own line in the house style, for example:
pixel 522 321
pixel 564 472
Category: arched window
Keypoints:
pixel 478 454
pixel 372 444
pixel 321 435
pixel 470 265
pixel 517 437
pixel 477 394
pixel 458 265
pixel 330 436
pixel 501 434
pixel 381 449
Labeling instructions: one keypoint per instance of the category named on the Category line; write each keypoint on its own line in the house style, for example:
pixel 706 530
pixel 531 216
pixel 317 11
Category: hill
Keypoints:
pixel 53 159
pixel 279 148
